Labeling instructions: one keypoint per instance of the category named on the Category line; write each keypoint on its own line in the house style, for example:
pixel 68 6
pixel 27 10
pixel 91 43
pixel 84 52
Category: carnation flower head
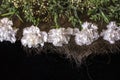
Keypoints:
pixel 87 35
pixel 112 33
pixel 59 36
pixel 7 33
pixel 33 37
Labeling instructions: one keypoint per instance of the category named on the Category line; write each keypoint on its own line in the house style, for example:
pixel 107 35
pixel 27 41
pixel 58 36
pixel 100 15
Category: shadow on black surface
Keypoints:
pixel 16 65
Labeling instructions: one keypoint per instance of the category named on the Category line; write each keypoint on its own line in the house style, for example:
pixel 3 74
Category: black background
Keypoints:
pixel 17 65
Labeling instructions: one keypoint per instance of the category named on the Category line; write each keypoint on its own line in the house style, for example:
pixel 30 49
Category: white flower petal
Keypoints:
pixel 32 37
pixel 112 33
pixel 6 22
pixel 85 25
pixel 58 37
pixel 69 31
pixel 87 35
pixel 7 33
pixel 44 35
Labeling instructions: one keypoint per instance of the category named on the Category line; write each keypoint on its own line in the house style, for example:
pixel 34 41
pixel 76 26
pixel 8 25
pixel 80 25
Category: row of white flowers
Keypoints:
pixel 33 37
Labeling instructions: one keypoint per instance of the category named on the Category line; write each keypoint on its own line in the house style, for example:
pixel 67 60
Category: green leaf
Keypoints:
pixel 7 14
pixel 104 17
pixel 19 17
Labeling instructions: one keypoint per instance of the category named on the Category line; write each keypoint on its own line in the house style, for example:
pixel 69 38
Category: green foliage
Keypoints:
pixel 36 11
pixel 65 8
pixel 8 10
pixel 30 10
pixel 104 10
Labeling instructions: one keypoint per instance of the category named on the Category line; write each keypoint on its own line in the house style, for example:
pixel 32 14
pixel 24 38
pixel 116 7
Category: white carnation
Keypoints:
pixel 59 36
pixel 87 35
pixel 112 33
pixel 33 37
pixel 7 33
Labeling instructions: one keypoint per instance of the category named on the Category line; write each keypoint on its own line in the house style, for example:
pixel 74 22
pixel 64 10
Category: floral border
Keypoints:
pixel 33 37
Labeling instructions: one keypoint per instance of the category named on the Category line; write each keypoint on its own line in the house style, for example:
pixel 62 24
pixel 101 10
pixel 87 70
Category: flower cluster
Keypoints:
pixel 59 36
pixel 112 33
pixel 33 37
pixel 87 35
pixel 7 33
